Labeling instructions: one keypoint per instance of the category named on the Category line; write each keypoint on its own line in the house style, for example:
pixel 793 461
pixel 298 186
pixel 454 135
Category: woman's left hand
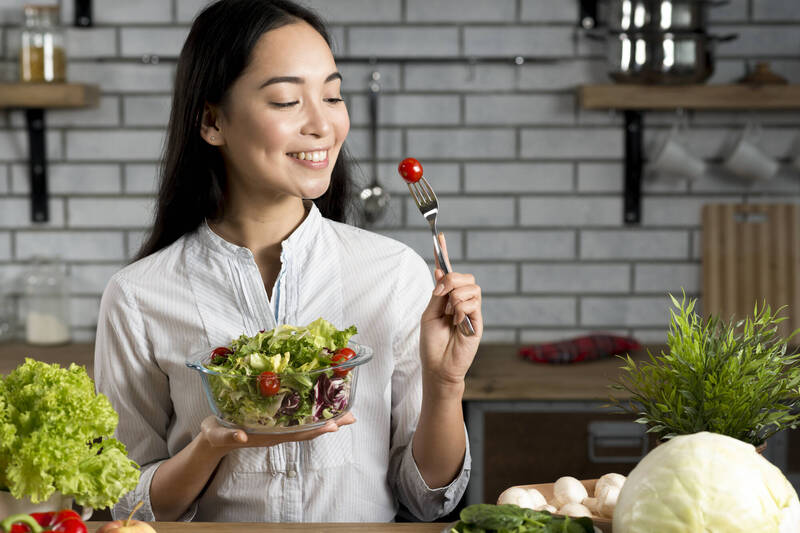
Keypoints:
pixel 446 352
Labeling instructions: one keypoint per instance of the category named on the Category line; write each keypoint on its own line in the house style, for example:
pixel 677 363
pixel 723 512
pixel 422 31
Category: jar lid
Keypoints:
pixel 41 7
pixel 38 10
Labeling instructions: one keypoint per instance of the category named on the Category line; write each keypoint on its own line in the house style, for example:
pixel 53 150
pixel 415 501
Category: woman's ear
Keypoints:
pixel 210 129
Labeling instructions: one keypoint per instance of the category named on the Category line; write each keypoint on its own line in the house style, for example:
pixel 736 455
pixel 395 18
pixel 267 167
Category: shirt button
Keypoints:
pixel 291 474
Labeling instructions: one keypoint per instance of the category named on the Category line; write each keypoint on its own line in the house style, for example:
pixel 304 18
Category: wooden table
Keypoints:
pixel 235 527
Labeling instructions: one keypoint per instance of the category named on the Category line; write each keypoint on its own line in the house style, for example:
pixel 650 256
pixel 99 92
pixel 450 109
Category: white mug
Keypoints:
pixel 671 158
pixel 10 505
pixel 744 158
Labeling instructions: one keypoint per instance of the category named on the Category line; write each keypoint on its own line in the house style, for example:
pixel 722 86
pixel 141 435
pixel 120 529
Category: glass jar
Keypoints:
pixel 45 303
pixel 41 53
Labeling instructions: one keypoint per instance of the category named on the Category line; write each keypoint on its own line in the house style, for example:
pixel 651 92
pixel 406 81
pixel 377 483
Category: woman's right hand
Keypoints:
pixel 225 439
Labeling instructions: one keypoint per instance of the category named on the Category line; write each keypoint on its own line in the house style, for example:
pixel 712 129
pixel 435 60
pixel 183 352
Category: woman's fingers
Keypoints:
pixel 453 281
pixel 223 437
pixel 470 307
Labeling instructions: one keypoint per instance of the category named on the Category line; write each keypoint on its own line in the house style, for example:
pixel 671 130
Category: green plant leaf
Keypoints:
pixel 734 377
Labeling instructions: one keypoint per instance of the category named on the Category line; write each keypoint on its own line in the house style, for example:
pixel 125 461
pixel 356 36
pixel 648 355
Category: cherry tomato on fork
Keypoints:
pixel 410 169
pixel 268 383
pixel 341 356
pixel 219 355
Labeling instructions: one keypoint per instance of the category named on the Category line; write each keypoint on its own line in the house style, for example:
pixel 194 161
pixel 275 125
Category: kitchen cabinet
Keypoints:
pixel 533 423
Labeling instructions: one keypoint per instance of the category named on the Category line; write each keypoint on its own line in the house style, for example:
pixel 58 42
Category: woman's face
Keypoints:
pixel 283 124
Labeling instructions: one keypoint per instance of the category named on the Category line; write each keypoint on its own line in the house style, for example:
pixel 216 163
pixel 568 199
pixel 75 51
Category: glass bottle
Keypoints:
pixel 45 303
pixel 41 54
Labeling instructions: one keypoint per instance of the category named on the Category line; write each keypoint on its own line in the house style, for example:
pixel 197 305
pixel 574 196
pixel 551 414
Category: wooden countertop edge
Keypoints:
pixel 321 527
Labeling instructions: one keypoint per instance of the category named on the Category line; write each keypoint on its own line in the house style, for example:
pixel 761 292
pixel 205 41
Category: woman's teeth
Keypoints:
pixel 320 155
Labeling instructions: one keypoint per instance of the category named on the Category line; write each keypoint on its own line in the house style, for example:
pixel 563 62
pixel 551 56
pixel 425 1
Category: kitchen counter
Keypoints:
pixel 13 354
pixel 497 373
pixel 236 527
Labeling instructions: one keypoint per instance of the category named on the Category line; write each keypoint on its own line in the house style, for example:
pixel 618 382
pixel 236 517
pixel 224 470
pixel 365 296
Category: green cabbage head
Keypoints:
pixel 706 482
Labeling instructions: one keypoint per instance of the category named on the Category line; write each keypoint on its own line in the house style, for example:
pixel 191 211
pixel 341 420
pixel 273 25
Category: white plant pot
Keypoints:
pixel 10 505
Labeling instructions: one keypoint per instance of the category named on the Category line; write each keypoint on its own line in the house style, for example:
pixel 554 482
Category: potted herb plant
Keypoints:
pixel 56 442
pixel 737 378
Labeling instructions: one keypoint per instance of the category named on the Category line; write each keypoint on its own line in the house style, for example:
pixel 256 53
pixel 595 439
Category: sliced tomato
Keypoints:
pixel 341 356
pixel 219 355
pixel 268 383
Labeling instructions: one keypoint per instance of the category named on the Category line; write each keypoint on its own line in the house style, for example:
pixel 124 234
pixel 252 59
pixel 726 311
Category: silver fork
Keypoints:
pixel 428 205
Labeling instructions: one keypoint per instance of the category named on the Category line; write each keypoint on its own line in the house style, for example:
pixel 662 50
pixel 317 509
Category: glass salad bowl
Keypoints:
pixel 286 401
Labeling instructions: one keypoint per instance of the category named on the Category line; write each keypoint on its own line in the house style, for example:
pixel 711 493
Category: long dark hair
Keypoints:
pixel 215 53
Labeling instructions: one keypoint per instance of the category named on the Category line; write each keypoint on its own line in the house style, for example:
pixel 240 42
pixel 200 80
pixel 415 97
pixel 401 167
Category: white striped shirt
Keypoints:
pixel 203 291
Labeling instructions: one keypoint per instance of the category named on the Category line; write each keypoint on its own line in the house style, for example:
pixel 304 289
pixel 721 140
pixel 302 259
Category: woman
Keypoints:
pixel 256 132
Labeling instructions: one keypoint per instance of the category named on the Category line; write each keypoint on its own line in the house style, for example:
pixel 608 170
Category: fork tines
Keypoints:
pixel 422 194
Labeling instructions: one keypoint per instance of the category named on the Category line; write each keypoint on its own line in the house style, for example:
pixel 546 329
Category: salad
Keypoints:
pixel 288 376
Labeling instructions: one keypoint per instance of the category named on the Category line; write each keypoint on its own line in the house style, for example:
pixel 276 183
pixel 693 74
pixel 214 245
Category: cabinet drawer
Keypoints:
pixel 521 443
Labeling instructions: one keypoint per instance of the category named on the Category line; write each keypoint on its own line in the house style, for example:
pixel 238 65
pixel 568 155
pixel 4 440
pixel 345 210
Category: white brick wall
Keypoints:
pixel 530 185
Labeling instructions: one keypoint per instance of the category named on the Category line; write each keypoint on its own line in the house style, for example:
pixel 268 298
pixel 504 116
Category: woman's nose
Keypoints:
pixel 317 121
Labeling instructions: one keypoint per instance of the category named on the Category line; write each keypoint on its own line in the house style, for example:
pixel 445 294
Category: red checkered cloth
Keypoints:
pixel 585 348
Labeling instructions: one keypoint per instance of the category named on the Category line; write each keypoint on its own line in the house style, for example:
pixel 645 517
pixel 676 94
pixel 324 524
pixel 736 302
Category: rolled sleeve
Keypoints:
pixel 141 493
pixel 424 502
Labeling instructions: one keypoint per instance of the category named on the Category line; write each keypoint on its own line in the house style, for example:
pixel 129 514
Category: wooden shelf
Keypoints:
pixel 48 95
pixel 654 97
pixel 35 98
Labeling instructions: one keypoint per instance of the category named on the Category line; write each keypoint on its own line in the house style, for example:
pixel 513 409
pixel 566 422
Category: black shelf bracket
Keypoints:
pixel 633 167
pixel 587 19
pixel 37 151
pixel 83 13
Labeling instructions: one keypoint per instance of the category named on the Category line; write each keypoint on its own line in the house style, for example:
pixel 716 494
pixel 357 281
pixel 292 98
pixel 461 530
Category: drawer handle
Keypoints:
pixel 617 435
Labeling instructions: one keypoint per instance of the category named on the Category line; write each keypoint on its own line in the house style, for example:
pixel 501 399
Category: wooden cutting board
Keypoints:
pixel 751 254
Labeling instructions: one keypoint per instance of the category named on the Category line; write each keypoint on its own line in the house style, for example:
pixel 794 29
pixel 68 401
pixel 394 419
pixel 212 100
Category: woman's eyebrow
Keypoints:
pixel 297 80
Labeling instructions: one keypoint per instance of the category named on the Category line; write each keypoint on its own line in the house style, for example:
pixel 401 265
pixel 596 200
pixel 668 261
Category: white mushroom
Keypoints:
pixel 566 490
pixel 549 508
pixel 611 480
pixel 591 504
pixel 537 499
pixel 518 496
pixel 607 500
pixel 574 510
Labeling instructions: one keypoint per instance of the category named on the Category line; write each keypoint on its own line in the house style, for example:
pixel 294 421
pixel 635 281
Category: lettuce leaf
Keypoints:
pixel 56 435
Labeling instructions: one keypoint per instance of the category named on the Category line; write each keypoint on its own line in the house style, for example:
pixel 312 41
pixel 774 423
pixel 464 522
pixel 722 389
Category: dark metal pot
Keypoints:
pixel 655 15
pixel 661 58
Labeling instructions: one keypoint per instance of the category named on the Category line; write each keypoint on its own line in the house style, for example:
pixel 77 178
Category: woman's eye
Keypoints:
pixel 334 100
pixel 284 104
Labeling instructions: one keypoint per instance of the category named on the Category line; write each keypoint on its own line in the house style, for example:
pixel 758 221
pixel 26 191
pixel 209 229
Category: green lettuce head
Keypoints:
pixel 55 435
pixel 706 482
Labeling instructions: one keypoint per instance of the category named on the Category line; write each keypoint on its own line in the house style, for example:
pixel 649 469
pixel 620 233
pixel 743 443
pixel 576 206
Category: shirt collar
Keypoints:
pixel 291 247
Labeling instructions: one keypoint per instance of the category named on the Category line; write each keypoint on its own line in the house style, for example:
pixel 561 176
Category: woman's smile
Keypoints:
pixel 316 159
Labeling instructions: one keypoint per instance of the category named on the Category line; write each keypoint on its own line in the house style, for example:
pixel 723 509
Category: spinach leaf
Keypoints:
pixel 569 525
pixel 488 516
pixel 509 518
